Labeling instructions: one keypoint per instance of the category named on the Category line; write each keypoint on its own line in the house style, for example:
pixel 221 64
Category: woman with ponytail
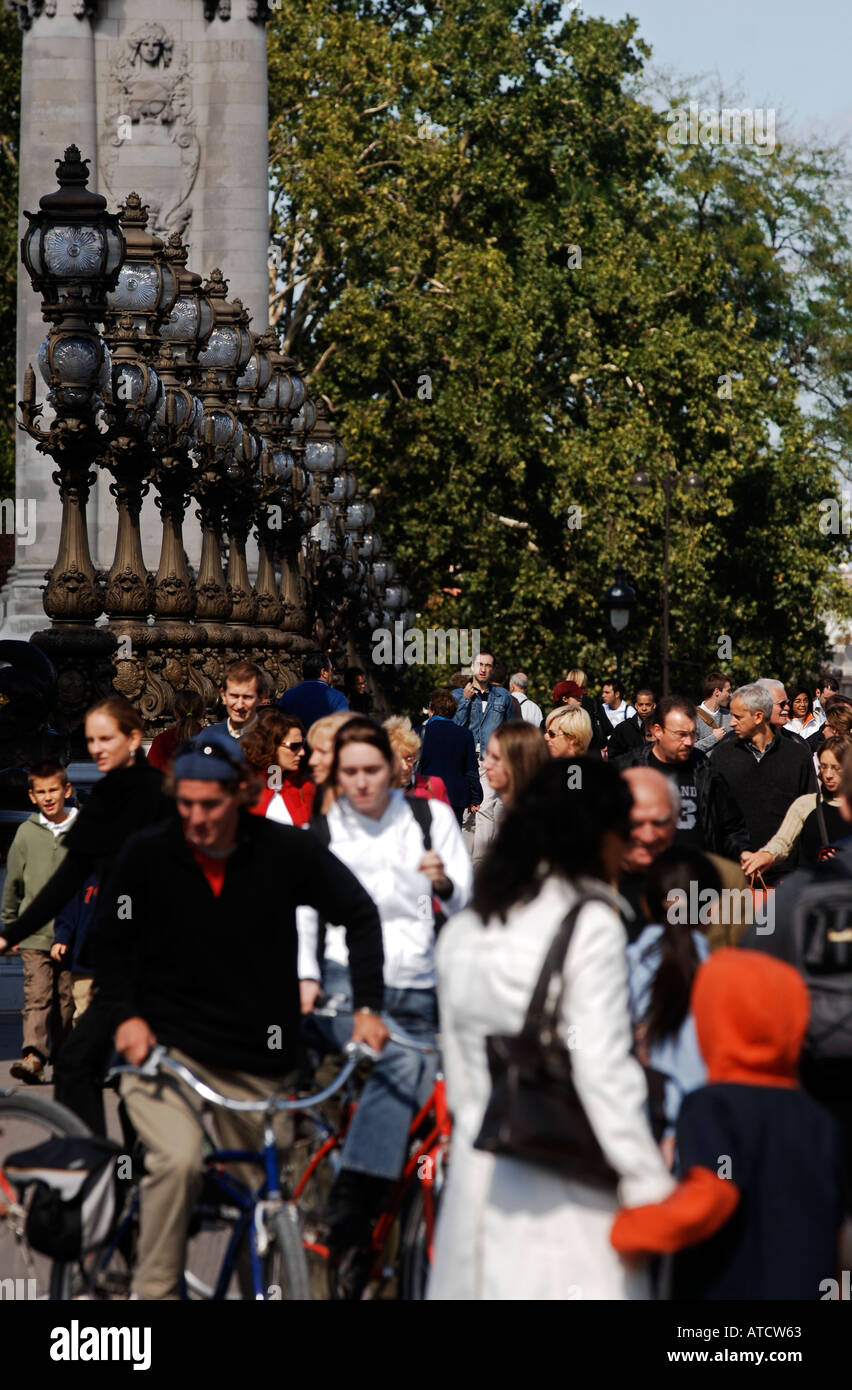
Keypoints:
pixel 189 712
pixel 508 1228
pixel 661 966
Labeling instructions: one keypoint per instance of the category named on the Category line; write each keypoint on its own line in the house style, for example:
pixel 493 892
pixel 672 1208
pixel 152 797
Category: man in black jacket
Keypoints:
pixel 633 732
pixel 195 944
pixel 765 771
pixel 709 818
pixel 449 752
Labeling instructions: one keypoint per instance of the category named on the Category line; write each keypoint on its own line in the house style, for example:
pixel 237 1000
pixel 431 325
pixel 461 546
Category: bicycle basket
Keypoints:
pixel 75 1203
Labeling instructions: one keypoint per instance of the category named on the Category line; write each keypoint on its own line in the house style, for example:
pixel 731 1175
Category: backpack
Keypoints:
pixel 420 810
pixel 822 926
pixel 75 1202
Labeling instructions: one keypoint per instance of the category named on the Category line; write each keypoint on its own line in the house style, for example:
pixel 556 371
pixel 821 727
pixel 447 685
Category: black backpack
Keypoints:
pixel 75 1203
pixel 822 926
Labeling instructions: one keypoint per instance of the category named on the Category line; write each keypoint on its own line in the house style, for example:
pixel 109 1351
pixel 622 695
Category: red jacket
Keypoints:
pixel 432 788
pixel 298 796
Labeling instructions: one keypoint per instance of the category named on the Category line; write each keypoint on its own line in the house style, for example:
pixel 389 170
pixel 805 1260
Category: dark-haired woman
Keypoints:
pixel 508 1229
pixel 661 966
pixel 373 830
pixel 129 798
pixel 803 721
pixel 276 748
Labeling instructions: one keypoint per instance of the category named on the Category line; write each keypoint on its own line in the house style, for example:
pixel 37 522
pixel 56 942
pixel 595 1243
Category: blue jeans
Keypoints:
pixel 398 1084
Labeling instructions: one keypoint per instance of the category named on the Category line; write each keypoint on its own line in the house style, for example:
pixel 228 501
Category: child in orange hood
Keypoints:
pixel 758 1211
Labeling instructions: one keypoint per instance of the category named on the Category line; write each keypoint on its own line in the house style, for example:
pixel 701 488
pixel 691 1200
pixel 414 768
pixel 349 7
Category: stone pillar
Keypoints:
pixel 167 98
pixel 57 109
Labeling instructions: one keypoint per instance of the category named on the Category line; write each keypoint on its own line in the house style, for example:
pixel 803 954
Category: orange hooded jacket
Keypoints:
pixel 751 1013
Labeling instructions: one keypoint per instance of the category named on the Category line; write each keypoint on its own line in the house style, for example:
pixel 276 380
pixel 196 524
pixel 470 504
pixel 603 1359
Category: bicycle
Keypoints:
pixel 263 1224
pixel 414 1198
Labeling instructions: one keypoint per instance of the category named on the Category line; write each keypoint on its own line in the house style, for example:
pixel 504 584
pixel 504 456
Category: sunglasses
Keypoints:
pixel 297 743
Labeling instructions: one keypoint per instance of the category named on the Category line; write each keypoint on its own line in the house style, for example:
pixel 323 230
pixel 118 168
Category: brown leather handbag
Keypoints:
pixel 534 1112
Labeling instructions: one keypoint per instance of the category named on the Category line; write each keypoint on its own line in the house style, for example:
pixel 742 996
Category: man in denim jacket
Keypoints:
pixel 482 708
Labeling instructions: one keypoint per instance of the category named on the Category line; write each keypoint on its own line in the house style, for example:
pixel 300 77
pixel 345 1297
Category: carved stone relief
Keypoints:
pixel 28 10
pixel 149 132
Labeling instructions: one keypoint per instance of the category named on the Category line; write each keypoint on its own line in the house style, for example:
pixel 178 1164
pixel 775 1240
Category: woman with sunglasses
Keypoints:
pixel 275 748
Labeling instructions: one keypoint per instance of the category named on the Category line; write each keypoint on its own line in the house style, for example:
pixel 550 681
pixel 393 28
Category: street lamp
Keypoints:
pixel 641 483
pixel 73 245
pixel 619 602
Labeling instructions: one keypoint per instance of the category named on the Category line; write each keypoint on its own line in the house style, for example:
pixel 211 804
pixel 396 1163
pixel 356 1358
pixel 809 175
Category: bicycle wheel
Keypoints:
pixel 285 1269
pixel 27 1120
pixel 414 1262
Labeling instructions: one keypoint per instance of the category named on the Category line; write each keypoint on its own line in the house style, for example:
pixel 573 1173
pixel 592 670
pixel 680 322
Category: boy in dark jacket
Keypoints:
pixel 757 1134
pixel 70 929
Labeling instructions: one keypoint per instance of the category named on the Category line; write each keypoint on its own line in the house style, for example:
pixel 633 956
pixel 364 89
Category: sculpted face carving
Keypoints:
pixel 149 122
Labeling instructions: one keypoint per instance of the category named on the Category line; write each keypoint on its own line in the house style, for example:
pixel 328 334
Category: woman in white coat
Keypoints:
pixel 508 1229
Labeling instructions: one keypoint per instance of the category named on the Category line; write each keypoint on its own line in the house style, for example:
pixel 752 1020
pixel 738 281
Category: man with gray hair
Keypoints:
pixel 780 708
pixel 764 771
pixel 530 711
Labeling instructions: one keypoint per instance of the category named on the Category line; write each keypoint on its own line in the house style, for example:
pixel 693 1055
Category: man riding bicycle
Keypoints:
pixel 196 948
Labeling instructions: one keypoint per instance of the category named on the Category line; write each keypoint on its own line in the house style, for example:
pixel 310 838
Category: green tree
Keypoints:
pixel 522 294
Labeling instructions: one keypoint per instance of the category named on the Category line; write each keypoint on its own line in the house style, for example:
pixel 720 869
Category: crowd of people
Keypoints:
pixel 416 870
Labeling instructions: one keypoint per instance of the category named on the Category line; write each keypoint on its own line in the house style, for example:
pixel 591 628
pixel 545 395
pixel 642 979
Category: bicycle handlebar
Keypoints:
pixel 158 1060
pixel 329 1011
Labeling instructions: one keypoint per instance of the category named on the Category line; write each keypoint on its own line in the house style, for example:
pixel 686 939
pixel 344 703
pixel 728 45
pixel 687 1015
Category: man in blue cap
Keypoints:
pixel 197 947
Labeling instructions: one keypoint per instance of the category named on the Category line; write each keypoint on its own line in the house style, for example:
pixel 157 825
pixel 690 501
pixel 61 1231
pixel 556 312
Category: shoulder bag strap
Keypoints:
pixel 823 829
pixel 422 814
pixel 539 1015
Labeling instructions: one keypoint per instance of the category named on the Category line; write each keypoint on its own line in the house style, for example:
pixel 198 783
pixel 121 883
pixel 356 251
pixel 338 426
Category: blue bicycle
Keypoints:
pixel 259 1248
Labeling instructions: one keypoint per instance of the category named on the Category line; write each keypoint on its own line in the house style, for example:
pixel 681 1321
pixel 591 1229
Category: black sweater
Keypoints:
pixel 124 801
pixel 765 790
pixel 217 977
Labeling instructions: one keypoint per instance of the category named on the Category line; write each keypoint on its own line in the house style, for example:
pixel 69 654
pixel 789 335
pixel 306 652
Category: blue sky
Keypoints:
pixel 786 54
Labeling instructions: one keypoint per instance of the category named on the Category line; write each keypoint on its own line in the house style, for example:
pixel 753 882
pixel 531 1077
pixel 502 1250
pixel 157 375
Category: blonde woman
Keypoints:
pixel 405 745
pixel 321 736
pixel 567 733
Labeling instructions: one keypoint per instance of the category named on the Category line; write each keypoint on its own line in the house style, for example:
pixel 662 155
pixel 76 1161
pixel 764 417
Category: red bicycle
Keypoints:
pixel 411 1208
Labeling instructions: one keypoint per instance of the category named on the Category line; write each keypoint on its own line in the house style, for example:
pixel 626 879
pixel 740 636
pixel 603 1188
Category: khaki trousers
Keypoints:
pixel 43 976
pixel 166 1115
pixel 81 986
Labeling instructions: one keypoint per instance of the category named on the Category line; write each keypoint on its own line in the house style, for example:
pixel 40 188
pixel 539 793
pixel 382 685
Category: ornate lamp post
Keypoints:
pixel 220 438
pixel 136 393
pixel 224 358
pixel 72 250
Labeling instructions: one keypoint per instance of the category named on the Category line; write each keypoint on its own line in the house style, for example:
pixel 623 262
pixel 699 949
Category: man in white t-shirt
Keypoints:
pixel 613 706
pixel 530 711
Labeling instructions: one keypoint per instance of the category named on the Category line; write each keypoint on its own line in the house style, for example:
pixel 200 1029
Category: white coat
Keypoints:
pixel 512 1230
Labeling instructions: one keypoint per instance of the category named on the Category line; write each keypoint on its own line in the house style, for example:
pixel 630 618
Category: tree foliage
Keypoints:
pixel 522 294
